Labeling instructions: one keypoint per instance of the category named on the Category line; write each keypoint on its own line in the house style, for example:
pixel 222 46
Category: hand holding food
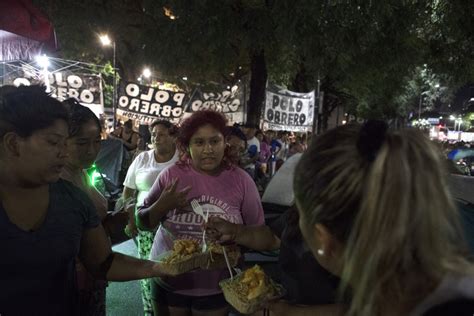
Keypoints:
pixel 251 290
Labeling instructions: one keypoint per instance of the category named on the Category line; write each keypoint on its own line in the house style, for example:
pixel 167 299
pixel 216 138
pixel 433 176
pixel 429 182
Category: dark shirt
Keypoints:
pixel 305 281
pixel 37 269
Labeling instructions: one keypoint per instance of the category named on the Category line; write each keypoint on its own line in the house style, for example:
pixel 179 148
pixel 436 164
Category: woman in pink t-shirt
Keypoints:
pixel 204 173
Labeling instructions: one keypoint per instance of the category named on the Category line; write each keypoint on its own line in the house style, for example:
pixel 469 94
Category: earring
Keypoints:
pixel 320 252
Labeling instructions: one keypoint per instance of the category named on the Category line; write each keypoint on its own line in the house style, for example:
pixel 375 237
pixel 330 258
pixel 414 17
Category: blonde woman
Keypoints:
pixel 375 210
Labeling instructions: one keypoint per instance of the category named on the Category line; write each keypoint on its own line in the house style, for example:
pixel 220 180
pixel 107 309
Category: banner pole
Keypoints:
pixel 316 117
pixel 114 96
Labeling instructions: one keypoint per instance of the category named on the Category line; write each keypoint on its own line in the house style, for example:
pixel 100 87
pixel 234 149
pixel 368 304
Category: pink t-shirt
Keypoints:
pixel 231 195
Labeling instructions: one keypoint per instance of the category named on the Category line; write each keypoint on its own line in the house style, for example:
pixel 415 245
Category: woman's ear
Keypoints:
pixel 11 144
pixel 323 237
pixel 329 249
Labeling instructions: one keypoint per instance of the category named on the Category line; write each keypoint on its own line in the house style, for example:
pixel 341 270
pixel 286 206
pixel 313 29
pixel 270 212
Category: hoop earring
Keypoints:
pixel 320 252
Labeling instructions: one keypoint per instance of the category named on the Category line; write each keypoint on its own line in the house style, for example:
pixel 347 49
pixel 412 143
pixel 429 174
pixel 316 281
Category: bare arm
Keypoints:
pixel 254 237
pixel 133 142
pixel 99 201
pixel 96 248
pixel 127 195
pixel 149 218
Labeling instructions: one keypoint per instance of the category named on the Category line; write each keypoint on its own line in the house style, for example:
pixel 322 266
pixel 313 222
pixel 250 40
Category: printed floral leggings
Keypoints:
pixel 145 241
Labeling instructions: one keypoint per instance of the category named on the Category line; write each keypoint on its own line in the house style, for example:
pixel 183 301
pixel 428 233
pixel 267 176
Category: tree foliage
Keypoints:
pixel 366 54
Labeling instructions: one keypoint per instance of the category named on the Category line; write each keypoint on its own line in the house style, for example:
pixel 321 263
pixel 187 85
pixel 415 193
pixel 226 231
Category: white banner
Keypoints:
pixel 288 111
pixel 86 88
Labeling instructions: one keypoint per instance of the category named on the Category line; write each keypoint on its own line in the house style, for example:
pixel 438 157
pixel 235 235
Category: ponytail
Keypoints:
pixel 391 210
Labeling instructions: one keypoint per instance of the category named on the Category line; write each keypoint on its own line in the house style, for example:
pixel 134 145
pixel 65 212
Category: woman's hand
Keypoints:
pixel 221 230
pixel 131 229
pixel 171 199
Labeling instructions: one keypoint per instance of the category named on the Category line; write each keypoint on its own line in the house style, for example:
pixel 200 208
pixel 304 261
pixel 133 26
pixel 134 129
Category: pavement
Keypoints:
pixel 124 298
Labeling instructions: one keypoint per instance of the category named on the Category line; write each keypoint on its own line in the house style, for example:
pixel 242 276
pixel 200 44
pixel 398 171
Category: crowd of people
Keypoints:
pixel 374 230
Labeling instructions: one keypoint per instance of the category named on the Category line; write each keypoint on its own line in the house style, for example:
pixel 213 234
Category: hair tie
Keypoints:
pixel 371 137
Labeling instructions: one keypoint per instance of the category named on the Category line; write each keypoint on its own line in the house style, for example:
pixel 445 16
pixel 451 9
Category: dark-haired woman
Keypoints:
pixel 205 174
pixel 46 222
pixel 83 146
pixel 141 175
pixel 127 135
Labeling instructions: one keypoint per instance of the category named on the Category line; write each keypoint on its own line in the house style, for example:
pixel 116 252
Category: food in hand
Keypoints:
pixel 185 256
pixel 183 249
pixel 250 290
pixel 216 258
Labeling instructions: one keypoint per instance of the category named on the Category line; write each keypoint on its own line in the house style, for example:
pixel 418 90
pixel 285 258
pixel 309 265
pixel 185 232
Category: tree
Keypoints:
pixel 364 53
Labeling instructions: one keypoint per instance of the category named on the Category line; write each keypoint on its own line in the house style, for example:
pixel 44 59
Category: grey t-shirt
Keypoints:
pixel 451 288
pixel 37 269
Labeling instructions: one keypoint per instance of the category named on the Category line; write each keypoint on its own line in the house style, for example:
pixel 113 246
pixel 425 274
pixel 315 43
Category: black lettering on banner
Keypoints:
pixel 302 119
pixel 295 122
pixel 291 117
pixel 270 114
pixel 276 101
pixel 299 106
pixel 283 103
pixel 291 108
pixel 283 118
pixel 234 106
pixel 224 101
pixel 277 116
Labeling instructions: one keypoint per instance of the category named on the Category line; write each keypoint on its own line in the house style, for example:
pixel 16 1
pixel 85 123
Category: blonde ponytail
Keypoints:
pixel 401 233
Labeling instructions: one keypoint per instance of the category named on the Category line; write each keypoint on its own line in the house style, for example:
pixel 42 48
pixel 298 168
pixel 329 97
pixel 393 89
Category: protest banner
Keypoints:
pixel 146 104
pixel 288 111
pixel 230 102
pixel 86 88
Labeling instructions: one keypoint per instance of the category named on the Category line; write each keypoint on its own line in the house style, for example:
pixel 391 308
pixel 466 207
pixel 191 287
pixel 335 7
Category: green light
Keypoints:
pixel 94 175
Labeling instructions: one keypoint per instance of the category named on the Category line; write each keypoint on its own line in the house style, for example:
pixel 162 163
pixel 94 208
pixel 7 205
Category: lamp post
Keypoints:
pixel 106 41
pixel 43 62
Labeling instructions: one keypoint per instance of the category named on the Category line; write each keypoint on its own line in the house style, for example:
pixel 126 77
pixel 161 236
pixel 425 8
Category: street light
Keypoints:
pixel 43 62
pixel 106 41
pixel 147 73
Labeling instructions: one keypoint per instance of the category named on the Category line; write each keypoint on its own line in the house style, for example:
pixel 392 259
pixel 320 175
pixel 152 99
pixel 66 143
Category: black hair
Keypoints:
pixel 79 115
pixel 237 132
pixel 172 129
pixel 128 124
pixel 27 109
